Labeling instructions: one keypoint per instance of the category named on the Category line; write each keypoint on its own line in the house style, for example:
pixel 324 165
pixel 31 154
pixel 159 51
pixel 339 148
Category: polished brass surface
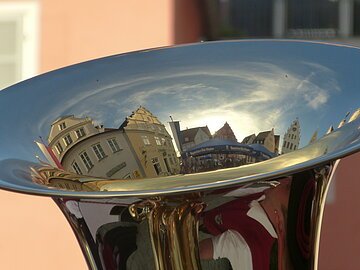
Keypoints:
pixel 204 156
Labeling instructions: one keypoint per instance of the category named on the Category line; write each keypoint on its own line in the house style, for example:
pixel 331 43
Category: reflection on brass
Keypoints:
pixel 174 235
pixel 322 176
pixel 133 147
pixel 173 232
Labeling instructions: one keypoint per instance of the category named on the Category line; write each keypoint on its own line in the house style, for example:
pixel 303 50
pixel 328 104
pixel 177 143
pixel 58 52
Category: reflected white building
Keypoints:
pixel 84 148
pixel 291 139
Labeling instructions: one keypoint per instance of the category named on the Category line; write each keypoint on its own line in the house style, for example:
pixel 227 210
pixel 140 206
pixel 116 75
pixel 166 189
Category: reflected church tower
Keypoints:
pixel 292 137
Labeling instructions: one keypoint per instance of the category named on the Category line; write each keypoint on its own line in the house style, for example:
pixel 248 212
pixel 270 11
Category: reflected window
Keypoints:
pixel 86 160
pixel 59 148
pixel 114 145
pixel 80 133
pixel 157 140
pixel 167 165
pixel 62 126
pixel 163 141
pixel 145 140
pixel 313 18
pixel 68 140
pixel 99 152
pixel 76 167
pixel 156 165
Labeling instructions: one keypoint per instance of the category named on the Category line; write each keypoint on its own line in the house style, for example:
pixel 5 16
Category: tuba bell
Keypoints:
pixel 214 155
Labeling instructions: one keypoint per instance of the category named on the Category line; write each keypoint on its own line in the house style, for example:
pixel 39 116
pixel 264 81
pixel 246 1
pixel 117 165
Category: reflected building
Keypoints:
pixel 194 136
pixel 291 139
pixel 224 151
pixel 141 147
pixel 249 139
pixel 69 130
pixel 266 138
pixel 84 148
pixel 151 143
pixel 225 133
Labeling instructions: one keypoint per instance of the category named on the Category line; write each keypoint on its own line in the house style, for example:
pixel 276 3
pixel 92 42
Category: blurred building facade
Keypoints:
pixel 309 19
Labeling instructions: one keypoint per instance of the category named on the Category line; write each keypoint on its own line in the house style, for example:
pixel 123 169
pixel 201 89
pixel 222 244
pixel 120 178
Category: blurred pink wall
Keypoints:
pixel 340 239
pixel 35 235
pixel 75 31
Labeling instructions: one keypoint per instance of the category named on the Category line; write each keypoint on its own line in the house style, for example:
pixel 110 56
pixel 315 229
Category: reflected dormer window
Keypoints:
pixel 62 126
pixel 145 140
pixel 68 140
pixel 80 133
pixel 157 140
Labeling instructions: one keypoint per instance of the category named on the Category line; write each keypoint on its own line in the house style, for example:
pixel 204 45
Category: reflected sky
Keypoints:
pixel 254 86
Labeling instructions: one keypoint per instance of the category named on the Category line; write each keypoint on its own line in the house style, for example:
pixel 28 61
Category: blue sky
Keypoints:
pixel 254 86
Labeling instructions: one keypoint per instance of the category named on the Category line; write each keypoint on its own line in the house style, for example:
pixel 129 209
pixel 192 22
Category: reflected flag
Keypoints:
pixel 49 155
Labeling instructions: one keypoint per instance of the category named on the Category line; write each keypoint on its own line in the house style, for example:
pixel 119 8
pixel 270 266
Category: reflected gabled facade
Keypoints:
pixel 225 133
pixel 194 136
pixel 291 140
pixel 151 143
pixel 266 138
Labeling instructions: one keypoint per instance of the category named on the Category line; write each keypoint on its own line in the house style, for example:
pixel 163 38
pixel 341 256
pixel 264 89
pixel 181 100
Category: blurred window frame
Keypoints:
pixel 26 58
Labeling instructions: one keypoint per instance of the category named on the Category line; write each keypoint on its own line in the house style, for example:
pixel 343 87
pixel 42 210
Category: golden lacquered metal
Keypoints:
pixel 205 156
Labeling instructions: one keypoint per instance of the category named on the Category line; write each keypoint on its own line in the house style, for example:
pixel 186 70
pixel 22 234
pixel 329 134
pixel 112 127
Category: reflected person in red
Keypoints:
pixel 250 231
